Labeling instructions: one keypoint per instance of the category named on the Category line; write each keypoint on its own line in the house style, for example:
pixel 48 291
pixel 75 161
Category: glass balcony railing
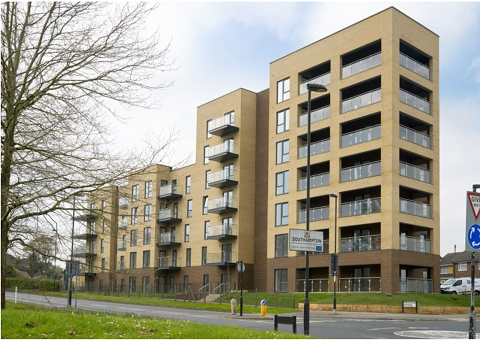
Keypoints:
pixel 219 149
pixel 222 203
pixel 122 266
pixel 414 66
pixel 414 136
pixel 168 262
pixel 122 245
pixel 361 171
pixel 362 65
pixel 360 243
pixel 361 136
pixel 362 100
pixel 221 257
pixel 316 116
pixel 417 244
pixel 224 121
pixel 415 172
pixel 221 230
pixel 168 190
pixel 166 214
pixel 361 207
pixel 315 148
pixel 222 175
pixel 170 237
pixel 123 202
pixel 324 79
pixel 316 181
pixel 414 101
pixel 316 214
pixel 415 208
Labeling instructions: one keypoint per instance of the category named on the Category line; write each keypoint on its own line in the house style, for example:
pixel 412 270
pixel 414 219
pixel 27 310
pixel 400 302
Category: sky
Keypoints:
pixel 222 46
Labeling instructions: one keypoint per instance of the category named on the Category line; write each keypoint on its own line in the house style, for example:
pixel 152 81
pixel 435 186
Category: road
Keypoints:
pixel 344 325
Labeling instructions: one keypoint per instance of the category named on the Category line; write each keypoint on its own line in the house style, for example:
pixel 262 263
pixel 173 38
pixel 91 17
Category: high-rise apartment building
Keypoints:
pixel 374 144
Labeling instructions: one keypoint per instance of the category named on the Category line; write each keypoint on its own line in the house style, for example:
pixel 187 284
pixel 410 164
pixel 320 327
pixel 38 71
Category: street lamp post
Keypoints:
pixel 306 304
pixel 70 269
pixel 335 259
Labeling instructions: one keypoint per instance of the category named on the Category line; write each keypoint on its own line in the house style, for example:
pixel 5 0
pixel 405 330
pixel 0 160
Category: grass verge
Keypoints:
pixel 22 321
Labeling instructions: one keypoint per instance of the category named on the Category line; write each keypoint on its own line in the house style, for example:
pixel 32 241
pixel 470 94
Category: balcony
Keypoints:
pixel 221 258
pixel 361 136
pixel 362 100
pixel 315 148
pixel 361 171
pixel 362 65
pixel 360 284
pixel 316 181
pixel 223 178
pixel 88 216
pixel 123 202
pixel 414 66
pixel 414 101
pixel 121 266
pixel 122 225
pixel 222 232
pixel 168 263
pixel 316 214
pixel 169 215
pixel 170 192
pixel 323 79
pixel 223 152
pixel 315 116
pixel 122 245
pixel 83 251
pixel 412 285
pixel 415 208
pixel 416 244
pixel 222 205
pixel 224 125
pixel 88 270
pixel 85 234
pixel 361 207
pixel 415 172
pixel 316 285
pixel 415 137
pixel 169 239
pixel 360 243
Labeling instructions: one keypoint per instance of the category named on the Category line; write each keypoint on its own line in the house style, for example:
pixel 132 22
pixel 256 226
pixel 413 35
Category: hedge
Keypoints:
pixel 35 284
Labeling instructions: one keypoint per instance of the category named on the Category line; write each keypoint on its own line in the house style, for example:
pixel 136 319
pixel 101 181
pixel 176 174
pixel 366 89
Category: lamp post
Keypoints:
pixel 70 267
pixel 306 304
pixel 335 259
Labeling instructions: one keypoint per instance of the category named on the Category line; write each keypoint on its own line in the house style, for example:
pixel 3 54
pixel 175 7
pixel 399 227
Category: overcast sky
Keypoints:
pixel 220 47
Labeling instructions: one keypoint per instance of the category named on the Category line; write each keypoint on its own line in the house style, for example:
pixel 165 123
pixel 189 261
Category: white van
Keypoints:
pixel 459 286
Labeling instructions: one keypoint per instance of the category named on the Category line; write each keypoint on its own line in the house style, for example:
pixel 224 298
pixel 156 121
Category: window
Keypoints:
pixel 122 263
pixel 462 266
pixel 204 256
pixel 281 214
pixel 209 127
pixel 444 269
pixel 283 151
pixel 189 208
pixel 205 205
pixel 122 286
pixel 133 260
pixel 133 238
pixel 282 183
pixel 102 245
pixel 189 257
pixel 283 120
pixel 281 245
pixel 228 172
pixel 148 189
pixel 227 224
pixel 104 205
pixel 134 218
pixel 103 265
pixel 104 226
pixel 132 282
pixel 146 259
pixel 207 179
pixel 134 193
pixel 147 213
pixel 124 222
pixel 92 207
pixel 185 283
pixel 188 183
pixel 281 280
pixel 147 235
pixel 206 160
pixel 207 226
pixel 91 229
pixel 283 90
pixel 145 284
pixel 187 232
pixel 124 241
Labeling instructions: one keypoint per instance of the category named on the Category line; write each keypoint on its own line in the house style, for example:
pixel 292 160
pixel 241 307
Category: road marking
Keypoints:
pixel 379 329
pixel 424 334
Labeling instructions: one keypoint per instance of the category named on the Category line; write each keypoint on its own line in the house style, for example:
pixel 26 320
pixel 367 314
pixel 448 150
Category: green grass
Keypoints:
pixel 29 322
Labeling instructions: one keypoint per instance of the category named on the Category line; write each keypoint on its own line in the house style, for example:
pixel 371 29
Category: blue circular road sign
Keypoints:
pixel 474 236
pixel 264 302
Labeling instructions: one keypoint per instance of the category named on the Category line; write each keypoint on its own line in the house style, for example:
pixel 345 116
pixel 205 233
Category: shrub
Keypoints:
pixel 32 284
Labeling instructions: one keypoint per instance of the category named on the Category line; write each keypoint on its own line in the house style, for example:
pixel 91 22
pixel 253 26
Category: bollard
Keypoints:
pixel 263 308
pixel 16 290
pixel 233 306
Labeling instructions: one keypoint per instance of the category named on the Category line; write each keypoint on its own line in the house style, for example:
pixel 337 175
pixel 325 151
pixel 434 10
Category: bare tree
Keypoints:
pixel 64 66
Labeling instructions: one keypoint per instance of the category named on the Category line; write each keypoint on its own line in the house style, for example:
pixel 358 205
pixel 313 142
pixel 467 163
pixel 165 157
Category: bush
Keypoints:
pixel 32 284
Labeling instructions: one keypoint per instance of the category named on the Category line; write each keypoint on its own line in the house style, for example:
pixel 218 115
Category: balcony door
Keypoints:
pixel 227 252
pixel 362 240
pixel 228 198
pixel 172 235
pixel 361 279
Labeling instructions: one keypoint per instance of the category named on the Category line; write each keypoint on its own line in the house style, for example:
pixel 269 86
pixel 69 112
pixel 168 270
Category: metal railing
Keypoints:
pixel 360 243
pixel 414 66
pixel 414 136
pixel 316 214
pixel 315 116
pixel 219 287
pixel 415 208
pixel 315 148
pixel 170 237
pixel 411 285
pixel 361 207
pixel 222 202
pixel 224 121
pixel 361 171
pixel 205 292
pixel 416 244
pixel 316 181
pixel 316 285
pixel 415 172
pixel 170 189
pixel 223 229
pixel 167 261
pixel 414 101
pixel 362 65
pixel 360 284
pixel 218 149
pixel 323 79
pixel 362 100
pixel 361 136
pixel 222 257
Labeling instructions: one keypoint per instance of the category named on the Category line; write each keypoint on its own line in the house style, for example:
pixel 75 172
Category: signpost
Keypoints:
pixel 305 240
pixel 241 269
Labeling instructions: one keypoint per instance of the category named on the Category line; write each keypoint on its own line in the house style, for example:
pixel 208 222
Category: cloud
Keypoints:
pixel 475 69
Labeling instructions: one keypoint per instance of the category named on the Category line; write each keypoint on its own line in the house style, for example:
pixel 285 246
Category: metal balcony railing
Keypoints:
pixel 316 214
pixel 361 207
pixel 416 244
pixel 411 285
pixel 323 79
pixel 415 172
pixel 361 171
pixel 361 136
pixel 360 243
pixel 316 181
pixel 362 65
pixel 414 101
pixel 316 285
pixel 414 66
pixel 315 148
pixel 414 136
pixel 316 116
pixel 360 284
pixel 362 100
pixel 415 208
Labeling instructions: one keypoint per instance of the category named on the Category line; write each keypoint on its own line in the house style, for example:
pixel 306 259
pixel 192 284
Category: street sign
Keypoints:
pixel 306 240
pixel 241 267
pixel 472 226
pixel 71 276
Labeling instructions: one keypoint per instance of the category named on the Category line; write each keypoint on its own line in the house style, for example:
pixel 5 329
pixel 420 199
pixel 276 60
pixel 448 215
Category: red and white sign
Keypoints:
pixel 474 199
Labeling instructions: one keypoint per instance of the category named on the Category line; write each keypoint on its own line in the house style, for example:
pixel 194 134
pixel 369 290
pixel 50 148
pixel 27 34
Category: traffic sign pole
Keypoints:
pixel 472 243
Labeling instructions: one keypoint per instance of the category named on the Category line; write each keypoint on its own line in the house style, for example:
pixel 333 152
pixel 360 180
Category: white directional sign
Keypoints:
pixel 472 239
pixel 306 240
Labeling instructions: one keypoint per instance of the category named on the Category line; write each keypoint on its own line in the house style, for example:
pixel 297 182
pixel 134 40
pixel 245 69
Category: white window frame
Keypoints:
pixel 462 266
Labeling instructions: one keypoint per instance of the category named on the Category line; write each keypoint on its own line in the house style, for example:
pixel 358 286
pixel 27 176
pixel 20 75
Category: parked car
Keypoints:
pixel 459 286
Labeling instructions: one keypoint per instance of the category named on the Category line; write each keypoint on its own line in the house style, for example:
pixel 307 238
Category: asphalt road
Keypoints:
pixel 344 325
